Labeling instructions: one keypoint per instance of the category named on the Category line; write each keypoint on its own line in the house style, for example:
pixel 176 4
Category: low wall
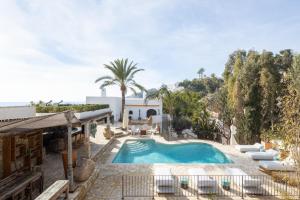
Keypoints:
pixel 84 187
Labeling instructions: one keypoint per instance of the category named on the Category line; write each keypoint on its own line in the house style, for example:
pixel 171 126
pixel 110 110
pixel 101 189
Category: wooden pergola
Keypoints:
pixel 37 125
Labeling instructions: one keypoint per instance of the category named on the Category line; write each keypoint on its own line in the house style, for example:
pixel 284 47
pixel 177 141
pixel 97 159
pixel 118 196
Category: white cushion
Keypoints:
pixel 277 165
pixel 165 190
pixel 246 148
pixel 164 181
pixel 250 182
pixel 267 155
pixel 206 182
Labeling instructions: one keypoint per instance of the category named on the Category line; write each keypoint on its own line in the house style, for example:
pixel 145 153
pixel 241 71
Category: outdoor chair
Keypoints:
pixel 205 183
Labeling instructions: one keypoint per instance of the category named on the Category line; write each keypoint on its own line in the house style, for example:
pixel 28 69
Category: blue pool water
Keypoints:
pixel 149 151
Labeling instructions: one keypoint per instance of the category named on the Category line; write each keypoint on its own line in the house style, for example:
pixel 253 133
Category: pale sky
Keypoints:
pixel 55 49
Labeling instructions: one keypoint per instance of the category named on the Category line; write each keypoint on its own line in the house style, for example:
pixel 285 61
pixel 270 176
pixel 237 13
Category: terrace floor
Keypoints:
pixel 53 166
pixel 109 183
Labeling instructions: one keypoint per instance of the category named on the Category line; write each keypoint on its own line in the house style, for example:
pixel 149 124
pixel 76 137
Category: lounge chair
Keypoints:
pixel 269 154
pixel 164 181
pixel 153 131
pixel 242 179
pixel 276 165
pixel 246 148
pixel 205 183
pixel 135 130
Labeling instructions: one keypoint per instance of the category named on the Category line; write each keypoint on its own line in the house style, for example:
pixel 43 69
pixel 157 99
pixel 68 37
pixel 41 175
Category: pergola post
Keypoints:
pixel 87 139
pixel 108 119
pixel 108 125
pixel 69 116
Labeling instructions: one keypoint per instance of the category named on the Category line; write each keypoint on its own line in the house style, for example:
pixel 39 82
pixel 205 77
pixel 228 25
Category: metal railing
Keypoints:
pixel 205 185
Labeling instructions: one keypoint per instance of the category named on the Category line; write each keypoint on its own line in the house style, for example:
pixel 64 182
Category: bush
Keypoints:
pixel 205 130
pixel 181 123
pixel 76 108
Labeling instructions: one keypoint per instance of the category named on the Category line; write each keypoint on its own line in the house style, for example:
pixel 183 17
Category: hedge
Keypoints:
pixel 76 108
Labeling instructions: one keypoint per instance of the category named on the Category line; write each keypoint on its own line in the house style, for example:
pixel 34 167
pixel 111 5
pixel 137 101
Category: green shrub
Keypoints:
pixel 76 108
pixel 181 123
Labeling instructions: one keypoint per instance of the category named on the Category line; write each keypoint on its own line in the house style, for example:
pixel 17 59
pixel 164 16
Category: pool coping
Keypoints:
pixel 112 158
pixel 240 160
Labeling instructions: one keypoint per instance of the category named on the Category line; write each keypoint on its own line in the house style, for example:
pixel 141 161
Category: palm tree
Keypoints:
pixel 200 72
pixel 166 95
pixel 123 76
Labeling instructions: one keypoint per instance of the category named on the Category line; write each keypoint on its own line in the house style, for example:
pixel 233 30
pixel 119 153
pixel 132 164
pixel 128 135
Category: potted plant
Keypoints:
pixel 64 155
pixel 107 132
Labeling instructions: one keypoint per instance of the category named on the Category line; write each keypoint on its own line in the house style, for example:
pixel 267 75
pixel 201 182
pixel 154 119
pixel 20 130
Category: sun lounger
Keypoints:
pixel 276 165
pixel 164 181
pixel 269 154
pixel 246 148
pixel 135 130
pixel 242 179
pixel 205 183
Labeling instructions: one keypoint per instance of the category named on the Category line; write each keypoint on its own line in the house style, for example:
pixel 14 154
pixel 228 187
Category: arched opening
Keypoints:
pixel 151 112
pixel 130 112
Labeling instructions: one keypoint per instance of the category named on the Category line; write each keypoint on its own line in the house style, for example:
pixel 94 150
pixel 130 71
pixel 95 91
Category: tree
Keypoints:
pixel 221 105
pixel 167 97
pixel 251 97
pixel 203 86
pixel 269 84
pixel 123 76
pixel 201 72
pixel 203 126
pixel 290 118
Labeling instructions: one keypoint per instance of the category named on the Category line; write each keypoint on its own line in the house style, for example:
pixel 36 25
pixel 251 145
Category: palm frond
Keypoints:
pixel 140 87
pixel 133 90
pixel 130 69
pixel 123 74
pixel 107 83
pixel 103 78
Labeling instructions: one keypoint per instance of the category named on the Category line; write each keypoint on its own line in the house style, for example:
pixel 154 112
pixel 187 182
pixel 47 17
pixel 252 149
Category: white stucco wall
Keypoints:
pixel 16 112
pixel 133 104
pixel 113 102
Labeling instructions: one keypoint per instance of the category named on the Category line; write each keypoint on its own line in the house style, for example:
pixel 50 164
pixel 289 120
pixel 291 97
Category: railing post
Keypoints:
pixel 122 185
pixel 286 187
pixel 153 186
pixel 197 180
pixel 242 187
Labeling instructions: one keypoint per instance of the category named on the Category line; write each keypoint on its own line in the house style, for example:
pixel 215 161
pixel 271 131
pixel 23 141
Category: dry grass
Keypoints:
pixel 292 179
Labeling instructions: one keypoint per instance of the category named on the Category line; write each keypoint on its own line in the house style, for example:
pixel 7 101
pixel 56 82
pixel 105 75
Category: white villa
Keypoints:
pixel 137 108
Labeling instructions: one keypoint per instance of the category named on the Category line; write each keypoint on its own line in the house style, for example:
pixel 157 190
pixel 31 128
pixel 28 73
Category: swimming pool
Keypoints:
pixel 149 151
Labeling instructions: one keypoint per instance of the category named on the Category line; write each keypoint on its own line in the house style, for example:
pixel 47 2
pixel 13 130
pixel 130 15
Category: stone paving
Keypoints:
pixel 53 166
pixel 108 185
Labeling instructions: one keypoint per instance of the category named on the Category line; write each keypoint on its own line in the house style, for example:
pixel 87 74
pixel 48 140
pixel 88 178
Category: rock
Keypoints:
pixel 84 169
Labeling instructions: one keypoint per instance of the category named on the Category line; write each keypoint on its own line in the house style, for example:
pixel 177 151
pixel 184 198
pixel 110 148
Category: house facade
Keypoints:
pixel 137 108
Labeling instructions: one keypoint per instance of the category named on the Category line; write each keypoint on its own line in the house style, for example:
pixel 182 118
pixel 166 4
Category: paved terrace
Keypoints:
pixel 53 166
pixel 108 184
